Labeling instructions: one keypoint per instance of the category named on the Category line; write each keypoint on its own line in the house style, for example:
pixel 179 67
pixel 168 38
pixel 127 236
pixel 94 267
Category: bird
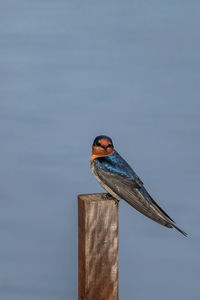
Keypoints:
pixel 121 182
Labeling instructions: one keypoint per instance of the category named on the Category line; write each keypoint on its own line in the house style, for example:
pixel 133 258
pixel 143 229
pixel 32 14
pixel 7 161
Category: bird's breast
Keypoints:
pixel 102 183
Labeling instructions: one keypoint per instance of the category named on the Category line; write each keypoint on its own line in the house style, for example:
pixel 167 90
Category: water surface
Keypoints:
pixel 71 70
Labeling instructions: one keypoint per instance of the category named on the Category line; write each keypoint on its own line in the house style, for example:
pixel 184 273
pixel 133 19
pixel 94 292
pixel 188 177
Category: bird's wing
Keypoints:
pixel 146 194
pixel 129 190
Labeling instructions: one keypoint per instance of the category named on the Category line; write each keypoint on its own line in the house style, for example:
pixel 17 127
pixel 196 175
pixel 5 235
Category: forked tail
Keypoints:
pixel 180 230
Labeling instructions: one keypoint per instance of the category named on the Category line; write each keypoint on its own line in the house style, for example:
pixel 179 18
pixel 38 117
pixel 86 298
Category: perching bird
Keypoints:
pixel 121 182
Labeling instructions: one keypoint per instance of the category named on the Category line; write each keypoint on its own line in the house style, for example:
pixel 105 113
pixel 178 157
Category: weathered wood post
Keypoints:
pixel 98 247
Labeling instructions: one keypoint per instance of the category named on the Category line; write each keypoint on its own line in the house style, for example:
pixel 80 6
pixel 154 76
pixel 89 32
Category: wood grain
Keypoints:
pixel 98 247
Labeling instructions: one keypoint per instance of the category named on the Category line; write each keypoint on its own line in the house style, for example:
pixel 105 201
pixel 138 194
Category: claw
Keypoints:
pixel 116 202
pixel 108 196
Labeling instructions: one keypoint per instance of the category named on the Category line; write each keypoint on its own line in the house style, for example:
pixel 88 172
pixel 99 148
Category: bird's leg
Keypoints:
pixel 108 196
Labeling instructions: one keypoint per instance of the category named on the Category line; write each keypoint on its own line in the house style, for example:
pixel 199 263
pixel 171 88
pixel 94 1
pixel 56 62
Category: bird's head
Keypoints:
pixel 102 146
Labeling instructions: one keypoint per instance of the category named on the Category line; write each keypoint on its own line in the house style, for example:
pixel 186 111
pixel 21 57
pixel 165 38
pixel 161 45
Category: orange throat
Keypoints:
pixel 100 152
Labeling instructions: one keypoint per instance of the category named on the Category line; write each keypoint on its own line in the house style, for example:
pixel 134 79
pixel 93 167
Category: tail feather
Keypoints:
pixel 180 230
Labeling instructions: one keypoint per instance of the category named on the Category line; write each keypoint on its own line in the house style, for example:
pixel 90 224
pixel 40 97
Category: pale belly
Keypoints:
pixel 107 188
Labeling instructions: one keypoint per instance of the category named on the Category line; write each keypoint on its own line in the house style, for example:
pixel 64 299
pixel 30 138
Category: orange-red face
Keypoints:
pixel 101 147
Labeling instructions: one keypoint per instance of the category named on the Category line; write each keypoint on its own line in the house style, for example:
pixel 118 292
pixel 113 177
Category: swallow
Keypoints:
pixel 121 182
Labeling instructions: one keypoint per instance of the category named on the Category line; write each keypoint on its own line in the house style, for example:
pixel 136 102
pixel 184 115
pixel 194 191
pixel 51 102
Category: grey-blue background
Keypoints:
pixel 71 70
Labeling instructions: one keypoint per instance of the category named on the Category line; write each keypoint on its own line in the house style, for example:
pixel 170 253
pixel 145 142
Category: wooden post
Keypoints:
pixel 98 247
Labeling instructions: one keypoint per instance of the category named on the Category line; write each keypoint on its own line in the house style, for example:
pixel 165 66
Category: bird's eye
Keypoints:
pixel 110 145
pixel 98 144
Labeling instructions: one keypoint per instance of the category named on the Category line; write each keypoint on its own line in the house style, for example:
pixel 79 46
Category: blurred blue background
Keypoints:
pixel 71 70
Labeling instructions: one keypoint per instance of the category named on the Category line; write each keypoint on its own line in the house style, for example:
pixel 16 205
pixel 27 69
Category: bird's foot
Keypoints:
pixel 108 196
pixel 116 201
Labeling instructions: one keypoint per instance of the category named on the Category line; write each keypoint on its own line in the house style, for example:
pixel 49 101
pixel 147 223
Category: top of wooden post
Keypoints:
pixel 96 197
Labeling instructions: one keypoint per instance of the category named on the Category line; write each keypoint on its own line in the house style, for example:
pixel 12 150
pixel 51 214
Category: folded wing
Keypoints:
pixel 137 196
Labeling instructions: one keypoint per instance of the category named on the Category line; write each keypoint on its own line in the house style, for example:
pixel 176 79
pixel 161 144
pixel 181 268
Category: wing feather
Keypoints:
pixel 132 190
pixel 129 190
